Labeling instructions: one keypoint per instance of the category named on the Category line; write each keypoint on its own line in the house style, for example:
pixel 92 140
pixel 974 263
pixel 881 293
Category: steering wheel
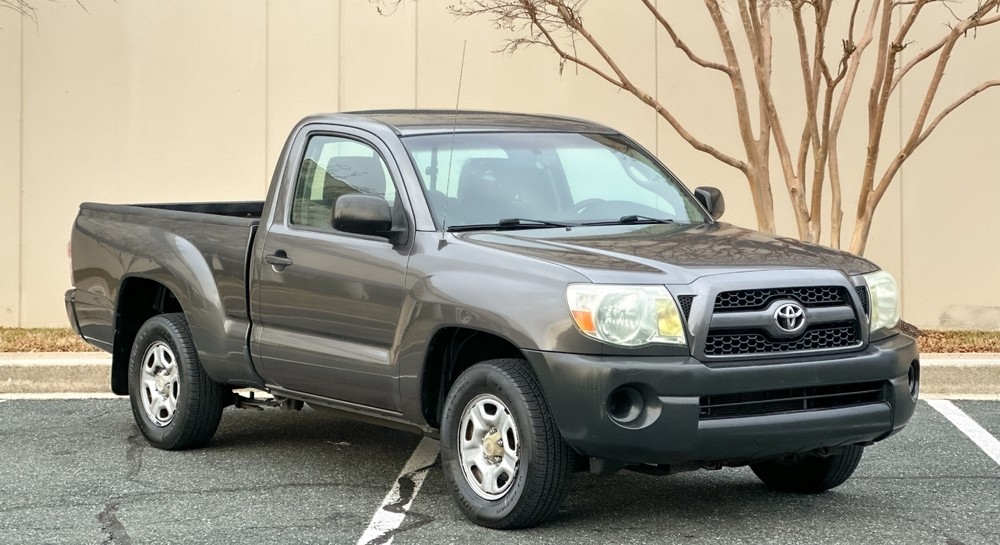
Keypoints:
pixel 579 207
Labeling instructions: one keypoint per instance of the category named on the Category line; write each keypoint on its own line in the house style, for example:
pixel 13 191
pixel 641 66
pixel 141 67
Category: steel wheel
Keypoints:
pixel 160 383
pixel 501 452
pixel 175 403
pixel 489 446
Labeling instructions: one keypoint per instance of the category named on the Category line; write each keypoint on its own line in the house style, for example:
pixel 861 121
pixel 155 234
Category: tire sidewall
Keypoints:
pixel 159 329
pixel 485 379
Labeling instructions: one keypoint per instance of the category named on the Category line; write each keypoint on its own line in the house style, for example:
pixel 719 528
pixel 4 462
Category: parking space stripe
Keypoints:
pixel 982 438
pixel 389 516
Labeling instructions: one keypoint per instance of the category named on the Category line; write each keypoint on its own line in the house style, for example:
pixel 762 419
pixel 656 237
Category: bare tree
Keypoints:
pixel 879 28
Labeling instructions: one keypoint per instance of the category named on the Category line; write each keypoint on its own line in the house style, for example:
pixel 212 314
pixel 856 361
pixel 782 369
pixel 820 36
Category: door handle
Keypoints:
pixel 278 260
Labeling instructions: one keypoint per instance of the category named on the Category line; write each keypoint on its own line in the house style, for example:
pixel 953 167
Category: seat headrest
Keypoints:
pixel 481 169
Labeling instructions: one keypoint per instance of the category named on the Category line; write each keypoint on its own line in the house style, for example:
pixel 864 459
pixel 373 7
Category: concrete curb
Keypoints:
pixel 950 375
pixel 960 375
pixel 56 372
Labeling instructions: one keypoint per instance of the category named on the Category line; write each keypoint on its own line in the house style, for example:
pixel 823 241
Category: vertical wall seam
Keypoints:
pixel 267 90
pixel 902 189
pixel 902 208
pixel 20 178
pixel 340 56
pixel 416 52
pixel 656 80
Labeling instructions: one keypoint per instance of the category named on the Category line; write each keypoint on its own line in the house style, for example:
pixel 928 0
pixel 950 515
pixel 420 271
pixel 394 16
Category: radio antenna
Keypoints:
pixel 451 152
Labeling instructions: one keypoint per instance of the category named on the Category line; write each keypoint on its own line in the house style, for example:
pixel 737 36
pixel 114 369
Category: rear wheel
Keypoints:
pixel 175 404
pixel 811 474
pixel 502 454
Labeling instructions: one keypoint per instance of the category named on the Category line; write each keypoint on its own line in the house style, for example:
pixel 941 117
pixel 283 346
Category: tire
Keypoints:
pixel 810 475
pixel 175 404
pixel 517 467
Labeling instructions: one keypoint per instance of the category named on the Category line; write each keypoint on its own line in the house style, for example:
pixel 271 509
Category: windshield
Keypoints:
pixel 480 179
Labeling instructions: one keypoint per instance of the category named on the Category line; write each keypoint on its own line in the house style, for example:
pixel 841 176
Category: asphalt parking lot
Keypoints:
pixel 77 471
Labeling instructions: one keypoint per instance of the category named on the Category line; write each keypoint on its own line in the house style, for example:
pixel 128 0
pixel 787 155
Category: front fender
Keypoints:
pixel 520 299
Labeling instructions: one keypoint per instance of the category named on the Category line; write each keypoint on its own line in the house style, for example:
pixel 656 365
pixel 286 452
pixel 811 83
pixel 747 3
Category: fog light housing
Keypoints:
pixel 625 404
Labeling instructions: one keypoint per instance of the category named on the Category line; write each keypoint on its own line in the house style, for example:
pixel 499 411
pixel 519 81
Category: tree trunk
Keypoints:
pixel 861 229
pixel 759 177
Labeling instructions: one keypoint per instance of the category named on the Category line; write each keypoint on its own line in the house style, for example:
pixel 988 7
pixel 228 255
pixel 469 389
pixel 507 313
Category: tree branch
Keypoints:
pixel 923 55
pixel 568 17
pixel 680 44
pixel 910 147
pixel 877 105
pixel 917 134
pixel 951 107
pixel 751 25
pixel 854 53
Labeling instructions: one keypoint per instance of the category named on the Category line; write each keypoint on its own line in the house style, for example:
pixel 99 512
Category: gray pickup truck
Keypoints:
pixel 539 293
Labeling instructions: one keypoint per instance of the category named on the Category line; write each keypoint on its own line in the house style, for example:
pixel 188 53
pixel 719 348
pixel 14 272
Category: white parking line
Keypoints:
pixel 961 397
pixel 982 438
pixel 397 502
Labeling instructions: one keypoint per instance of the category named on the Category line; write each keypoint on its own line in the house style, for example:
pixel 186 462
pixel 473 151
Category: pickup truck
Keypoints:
pixel 539 293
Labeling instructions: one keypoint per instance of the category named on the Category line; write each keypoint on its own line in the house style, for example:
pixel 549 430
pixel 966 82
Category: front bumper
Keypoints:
pixel 672 430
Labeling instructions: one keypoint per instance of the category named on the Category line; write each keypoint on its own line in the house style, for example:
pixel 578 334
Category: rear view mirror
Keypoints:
pixel 711 199
pixel 362 215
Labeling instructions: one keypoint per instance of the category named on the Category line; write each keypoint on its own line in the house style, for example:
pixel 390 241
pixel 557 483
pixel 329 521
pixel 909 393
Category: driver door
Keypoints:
pixel 329 302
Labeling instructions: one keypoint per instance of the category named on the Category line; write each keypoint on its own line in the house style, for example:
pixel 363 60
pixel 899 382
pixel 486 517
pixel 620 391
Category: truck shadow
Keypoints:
pixel 694 504
pixel 308 446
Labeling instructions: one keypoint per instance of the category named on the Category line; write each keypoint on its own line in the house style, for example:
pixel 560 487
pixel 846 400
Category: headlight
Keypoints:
pixel 883 299
pixel 628 316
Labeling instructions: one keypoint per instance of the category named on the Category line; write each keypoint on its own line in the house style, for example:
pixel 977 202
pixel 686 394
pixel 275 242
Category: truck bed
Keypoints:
pixel 197 250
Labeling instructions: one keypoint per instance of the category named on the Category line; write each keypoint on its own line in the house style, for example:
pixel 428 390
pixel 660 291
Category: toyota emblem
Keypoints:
pixel 790 317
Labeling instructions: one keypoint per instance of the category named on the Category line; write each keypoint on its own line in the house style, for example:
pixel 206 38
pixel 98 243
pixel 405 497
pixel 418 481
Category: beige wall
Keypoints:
pixel 144 101
pixel 10 167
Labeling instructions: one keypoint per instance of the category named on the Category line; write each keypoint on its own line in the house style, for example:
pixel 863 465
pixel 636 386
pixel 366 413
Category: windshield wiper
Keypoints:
pixel 631 218
pixel 510 223
pixel 636 218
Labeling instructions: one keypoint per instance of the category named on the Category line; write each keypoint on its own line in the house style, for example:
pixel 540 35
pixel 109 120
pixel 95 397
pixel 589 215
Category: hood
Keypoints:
pixel 683 253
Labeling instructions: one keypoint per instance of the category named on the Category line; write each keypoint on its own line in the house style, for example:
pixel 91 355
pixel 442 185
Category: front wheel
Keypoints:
pixel 811 474
pixel 502 454
pixel 175 404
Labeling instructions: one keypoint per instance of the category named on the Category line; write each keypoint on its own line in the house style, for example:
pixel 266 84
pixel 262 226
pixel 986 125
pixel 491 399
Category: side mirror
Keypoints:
pixel 362 215
pixel 711 199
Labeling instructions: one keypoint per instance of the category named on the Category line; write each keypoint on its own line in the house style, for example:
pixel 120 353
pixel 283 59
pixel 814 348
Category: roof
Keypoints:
pixel 410 122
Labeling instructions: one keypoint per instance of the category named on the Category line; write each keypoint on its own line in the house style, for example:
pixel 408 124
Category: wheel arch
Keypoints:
pixel 451 351
pixel 139 299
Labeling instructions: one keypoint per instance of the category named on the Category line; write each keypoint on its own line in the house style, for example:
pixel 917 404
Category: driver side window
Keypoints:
pixel 334 166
